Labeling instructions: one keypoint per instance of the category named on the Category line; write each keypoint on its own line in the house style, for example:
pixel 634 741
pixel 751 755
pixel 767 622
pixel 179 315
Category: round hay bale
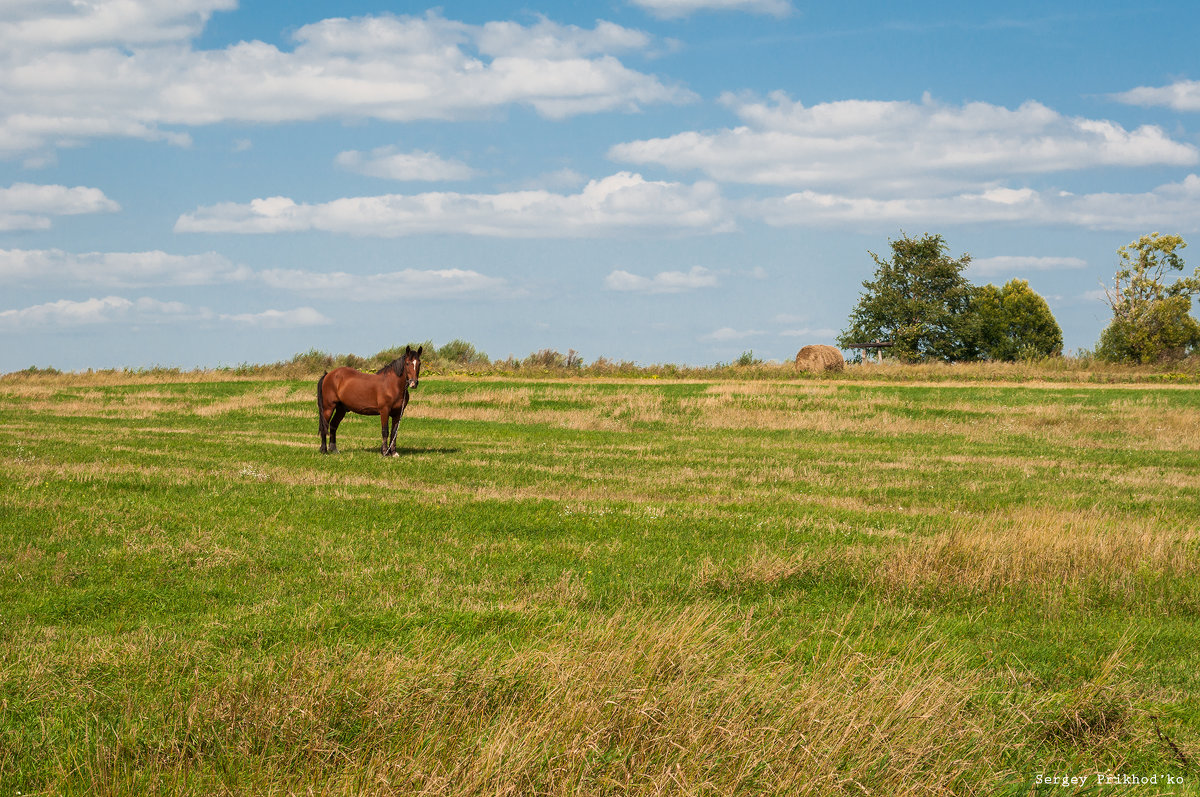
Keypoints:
pixel 819 358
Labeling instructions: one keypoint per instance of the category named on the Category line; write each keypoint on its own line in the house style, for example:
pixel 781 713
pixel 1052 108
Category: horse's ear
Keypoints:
pixel 420 349
pixel 407 350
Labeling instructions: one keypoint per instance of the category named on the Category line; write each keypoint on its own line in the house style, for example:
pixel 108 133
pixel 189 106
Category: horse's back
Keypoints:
pixel 343 373
pixel 358 392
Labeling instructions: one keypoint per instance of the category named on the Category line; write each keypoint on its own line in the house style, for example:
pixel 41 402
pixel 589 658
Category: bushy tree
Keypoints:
pixel 461 352
pixel 919 300
pixel 1152 318
pixel 1013 323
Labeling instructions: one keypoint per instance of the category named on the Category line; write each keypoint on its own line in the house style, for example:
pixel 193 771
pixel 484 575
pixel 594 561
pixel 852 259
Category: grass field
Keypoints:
pixel 599 587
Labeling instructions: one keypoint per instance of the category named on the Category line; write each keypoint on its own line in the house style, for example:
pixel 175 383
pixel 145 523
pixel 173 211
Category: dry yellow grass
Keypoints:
pixel 1059 554
pixel 256 400
pixel 1055 556
pixel 641 702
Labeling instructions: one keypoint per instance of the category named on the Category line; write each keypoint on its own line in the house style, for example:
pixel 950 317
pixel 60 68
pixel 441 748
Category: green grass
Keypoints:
pixel 598 587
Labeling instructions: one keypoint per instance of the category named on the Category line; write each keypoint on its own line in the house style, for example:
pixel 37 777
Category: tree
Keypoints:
pixel 461 352
pixel 919 300
pixel 1152 318
pixel 1013 323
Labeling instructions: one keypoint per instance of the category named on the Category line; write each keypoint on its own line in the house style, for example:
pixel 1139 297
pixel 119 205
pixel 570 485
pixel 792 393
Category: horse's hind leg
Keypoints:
pixel 339 412
pixel 326 428
pixel 322 415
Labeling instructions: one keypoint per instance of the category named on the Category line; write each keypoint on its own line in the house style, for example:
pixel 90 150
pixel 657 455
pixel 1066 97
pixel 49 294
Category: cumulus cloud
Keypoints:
pixel 63 84
pixel 25 206
pixel 117 269
pixel 1173 205
pixel 43 23
pixel 548 39
pixel 160 269
pixel 106 310
pixel 389 163
pixel 118 309
pixel 674 9
pixel 1016 264
pixel 1183 95
pixel 662 282
pixel 279 319
pixel 395 286
pixel 621 202
pixel 898 148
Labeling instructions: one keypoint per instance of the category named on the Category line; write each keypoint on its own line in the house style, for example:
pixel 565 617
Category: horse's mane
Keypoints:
pixel 396 366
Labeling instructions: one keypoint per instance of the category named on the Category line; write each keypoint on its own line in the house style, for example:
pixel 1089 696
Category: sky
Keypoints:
pixel 204 183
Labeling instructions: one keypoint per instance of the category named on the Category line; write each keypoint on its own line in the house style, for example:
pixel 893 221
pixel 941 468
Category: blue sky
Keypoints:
pixel 208 182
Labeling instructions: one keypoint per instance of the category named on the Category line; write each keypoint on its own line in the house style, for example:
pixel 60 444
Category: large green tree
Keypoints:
pixel 1152 318
pixel 918 300
pixel 1013 323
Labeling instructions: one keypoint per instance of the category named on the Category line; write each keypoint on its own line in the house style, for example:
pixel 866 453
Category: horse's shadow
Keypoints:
pixel 404 451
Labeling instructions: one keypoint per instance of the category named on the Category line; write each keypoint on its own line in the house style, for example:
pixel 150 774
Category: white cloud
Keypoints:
pixel 1014 264
pixel 1183 95
pixel 674 9
pixel 1173 205
pixel 280 319
pixel 53 23
pixel 25 206
pixel 117 269
pixel 662 282
pixel 106 310
pixel 388 163
pixel 729 334
pixel 156 268
pixel 63 89
pixel 66 313
pixel 397 286
pixel 902 148
pixel 621 202
pixel 548 39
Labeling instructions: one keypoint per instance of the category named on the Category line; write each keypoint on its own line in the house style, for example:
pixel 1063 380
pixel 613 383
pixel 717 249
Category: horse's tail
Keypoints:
pixel 321 424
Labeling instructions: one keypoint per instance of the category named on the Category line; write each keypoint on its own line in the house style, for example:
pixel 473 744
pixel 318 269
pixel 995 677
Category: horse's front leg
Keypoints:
pixel 383 418
pixel 396 416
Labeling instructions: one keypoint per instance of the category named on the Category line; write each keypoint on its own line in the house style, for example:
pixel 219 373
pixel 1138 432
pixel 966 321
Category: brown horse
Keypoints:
pixel 384 393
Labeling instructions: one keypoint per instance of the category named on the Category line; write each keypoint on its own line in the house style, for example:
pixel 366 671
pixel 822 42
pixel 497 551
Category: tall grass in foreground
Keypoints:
pixel 641 702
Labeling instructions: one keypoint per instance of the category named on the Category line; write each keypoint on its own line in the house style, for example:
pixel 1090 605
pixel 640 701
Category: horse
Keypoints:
pixel 384 393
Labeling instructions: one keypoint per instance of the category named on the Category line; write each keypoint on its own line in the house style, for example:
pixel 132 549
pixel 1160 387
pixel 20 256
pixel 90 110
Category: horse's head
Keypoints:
pixel 412 366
